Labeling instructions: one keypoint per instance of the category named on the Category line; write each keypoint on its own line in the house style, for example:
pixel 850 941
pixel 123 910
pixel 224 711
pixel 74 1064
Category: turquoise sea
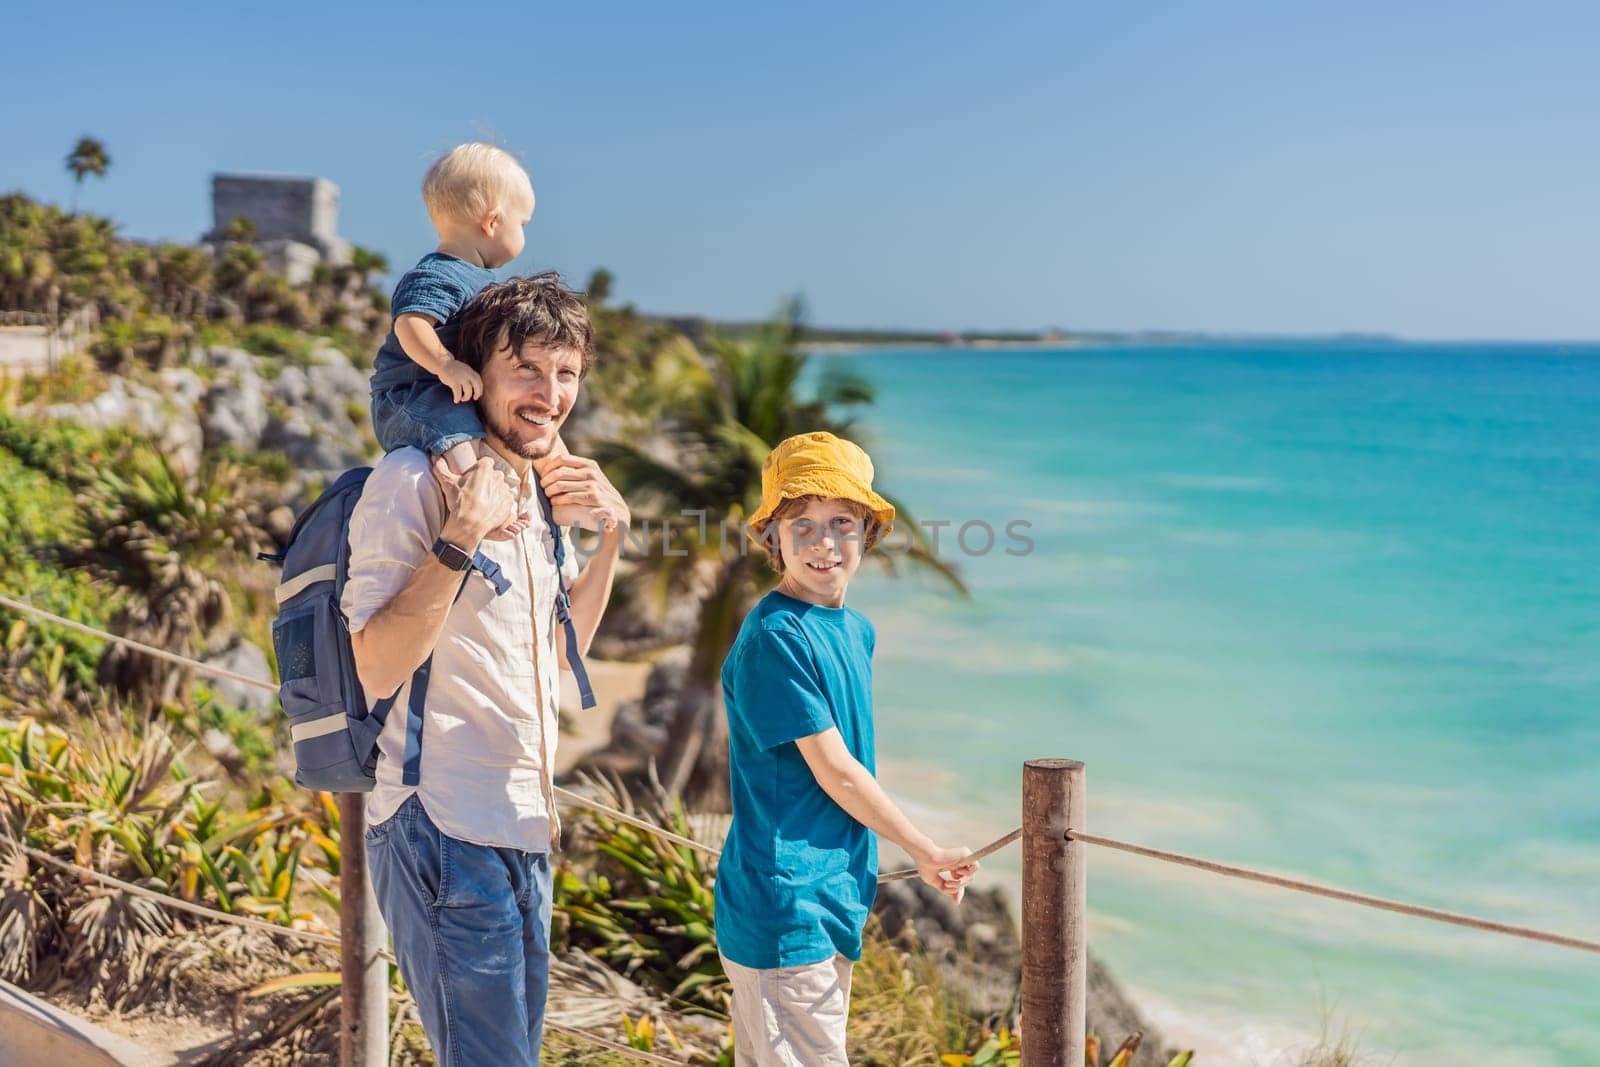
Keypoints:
pixel 1330 609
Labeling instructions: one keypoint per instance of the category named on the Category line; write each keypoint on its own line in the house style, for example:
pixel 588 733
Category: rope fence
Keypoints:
pixel 1299 886
pixel 577 800
pixel 175 903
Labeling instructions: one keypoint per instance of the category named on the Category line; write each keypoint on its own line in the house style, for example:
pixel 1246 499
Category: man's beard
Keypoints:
pixel 512 433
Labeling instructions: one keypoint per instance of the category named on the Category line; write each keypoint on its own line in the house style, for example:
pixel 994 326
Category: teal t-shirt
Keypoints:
pixel 797 874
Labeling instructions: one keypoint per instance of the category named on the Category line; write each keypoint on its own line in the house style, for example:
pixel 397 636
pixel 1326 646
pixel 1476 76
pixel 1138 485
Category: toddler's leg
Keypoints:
pixel 460 458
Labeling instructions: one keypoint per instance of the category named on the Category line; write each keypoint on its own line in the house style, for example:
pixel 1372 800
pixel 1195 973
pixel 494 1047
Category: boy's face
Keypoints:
pixel 527 395
pixel 821 549
pixel 503 239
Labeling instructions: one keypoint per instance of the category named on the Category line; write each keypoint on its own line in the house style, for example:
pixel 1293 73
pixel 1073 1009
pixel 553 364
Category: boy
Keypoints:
pixel 479 199
pixel 799 869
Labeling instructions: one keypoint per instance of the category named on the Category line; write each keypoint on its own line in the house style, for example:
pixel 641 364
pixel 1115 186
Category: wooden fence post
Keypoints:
pixel 1054 964
pixel 364 993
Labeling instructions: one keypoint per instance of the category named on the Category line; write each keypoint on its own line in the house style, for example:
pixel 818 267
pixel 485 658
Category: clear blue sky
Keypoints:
pixel 1429 168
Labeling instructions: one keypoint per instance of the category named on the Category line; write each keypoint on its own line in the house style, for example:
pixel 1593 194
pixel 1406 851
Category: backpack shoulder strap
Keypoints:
pixel 564 603
pixel 417 698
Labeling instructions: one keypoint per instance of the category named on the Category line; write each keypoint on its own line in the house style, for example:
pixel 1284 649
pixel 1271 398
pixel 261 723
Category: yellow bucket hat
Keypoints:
pixel 817 464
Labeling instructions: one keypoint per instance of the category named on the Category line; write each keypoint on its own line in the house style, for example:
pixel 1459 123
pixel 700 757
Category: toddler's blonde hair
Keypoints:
pixel 470 181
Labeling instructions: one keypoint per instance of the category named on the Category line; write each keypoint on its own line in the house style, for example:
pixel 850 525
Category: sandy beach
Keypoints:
pixel 582 732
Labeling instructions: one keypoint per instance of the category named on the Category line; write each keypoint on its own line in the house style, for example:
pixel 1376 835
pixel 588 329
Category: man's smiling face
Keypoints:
pixel 528 394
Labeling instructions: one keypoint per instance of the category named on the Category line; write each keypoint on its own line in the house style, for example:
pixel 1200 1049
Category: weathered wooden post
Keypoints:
pixel 364 973
pixel 1054 964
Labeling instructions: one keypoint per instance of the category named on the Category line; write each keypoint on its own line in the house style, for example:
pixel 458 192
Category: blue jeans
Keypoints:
pixel 425 415
pixel 471 929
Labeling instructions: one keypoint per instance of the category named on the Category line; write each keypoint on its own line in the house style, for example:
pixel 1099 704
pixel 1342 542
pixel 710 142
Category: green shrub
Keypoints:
pixel 277 342
pixel 645 908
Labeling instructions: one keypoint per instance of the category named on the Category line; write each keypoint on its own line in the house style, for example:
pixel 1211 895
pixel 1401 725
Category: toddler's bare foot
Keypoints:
pixel 511 529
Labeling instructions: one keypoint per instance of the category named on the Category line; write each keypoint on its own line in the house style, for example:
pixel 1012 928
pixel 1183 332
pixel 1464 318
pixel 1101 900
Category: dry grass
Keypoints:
pixel 901 1013
pixel 571 1052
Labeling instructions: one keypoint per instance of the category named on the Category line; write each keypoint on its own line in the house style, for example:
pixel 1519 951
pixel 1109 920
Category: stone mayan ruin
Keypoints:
pixel 296 220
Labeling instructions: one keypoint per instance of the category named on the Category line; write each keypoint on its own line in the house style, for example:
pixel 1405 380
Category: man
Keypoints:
pixel 460 860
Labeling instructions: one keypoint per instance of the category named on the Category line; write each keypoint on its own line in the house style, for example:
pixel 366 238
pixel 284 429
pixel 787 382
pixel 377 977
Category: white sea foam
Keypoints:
pixel 1222 1037
pixel 1226 1036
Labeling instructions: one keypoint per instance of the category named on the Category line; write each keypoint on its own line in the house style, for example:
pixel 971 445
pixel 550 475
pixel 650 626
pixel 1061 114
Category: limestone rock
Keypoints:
pixel 976 946
pixel 242 657
pixel 182 386
pixel 640 727
pixel 234 360
pixel 317 415
pixel 234 411
pixel 308 445
pixel 279 523
pixel 142 409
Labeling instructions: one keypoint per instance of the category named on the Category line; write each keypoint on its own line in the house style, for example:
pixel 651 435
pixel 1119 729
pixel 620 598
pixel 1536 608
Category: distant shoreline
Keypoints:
pixel 823 347
pixel 1569 348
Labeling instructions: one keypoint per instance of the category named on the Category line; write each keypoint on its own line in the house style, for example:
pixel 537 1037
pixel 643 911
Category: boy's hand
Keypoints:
pixel 461 380
pixel 934 865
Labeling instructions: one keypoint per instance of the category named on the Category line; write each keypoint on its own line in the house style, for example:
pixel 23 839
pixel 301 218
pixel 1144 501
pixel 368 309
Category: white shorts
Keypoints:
pixel 790 1016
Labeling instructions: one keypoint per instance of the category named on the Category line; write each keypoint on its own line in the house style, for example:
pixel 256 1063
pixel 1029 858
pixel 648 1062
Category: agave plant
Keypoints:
pixel 1004 1047
pixel 156 533
pixel 645 908
pixel 24 909
pixel 115 798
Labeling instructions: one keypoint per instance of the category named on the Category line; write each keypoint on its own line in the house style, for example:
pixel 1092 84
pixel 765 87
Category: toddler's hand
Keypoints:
pixel 461 380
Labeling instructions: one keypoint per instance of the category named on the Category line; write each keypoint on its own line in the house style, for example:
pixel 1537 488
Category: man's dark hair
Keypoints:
pixel 537 308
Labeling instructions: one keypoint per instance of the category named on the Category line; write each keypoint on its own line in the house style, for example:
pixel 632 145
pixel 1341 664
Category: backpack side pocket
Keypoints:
pixel 307 639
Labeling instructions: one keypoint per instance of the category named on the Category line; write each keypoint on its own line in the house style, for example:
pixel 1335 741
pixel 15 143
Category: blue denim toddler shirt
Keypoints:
pixel 410 406
pixel 439 286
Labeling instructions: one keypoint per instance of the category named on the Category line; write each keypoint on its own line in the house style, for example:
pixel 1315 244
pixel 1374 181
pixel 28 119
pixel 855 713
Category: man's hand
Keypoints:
pixel 580 494
pixel 936 862
pixel 484 503
pixel 461 380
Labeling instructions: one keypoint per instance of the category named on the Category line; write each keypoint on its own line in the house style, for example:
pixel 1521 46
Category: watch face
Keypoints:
pixel 452 556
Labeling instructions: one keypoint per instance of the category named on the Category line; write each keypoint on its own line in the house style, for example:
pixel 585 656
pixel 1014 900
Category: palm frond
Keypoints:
pixel 839 386
pixel 918 553
pixel 634 471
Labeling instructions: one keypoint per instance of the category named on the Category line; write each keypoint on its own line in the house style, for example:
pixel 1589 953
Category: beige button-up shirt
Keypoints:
pixel 490 727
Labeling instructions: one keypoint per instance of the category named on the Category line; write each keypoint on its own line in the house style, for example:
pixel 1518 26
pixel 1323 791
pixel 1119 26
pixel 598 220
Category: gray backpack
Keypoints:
pixel 335 733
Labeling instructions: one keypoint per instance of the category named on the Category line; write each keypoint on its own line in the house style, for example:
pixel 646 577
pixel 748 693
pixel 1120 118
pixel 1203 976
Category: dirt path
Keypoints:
pixel 582 732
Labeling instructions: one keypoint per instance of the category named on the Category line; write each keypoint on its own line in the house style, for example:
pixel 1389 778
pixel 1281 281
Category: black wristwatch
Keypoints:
pixel 457 559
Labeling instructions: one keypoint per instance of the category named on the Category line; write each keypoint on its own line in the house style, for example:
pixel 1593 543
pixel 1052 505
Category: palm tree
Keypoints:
pixel 722 416
pixel 88 157
pixel 599 288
